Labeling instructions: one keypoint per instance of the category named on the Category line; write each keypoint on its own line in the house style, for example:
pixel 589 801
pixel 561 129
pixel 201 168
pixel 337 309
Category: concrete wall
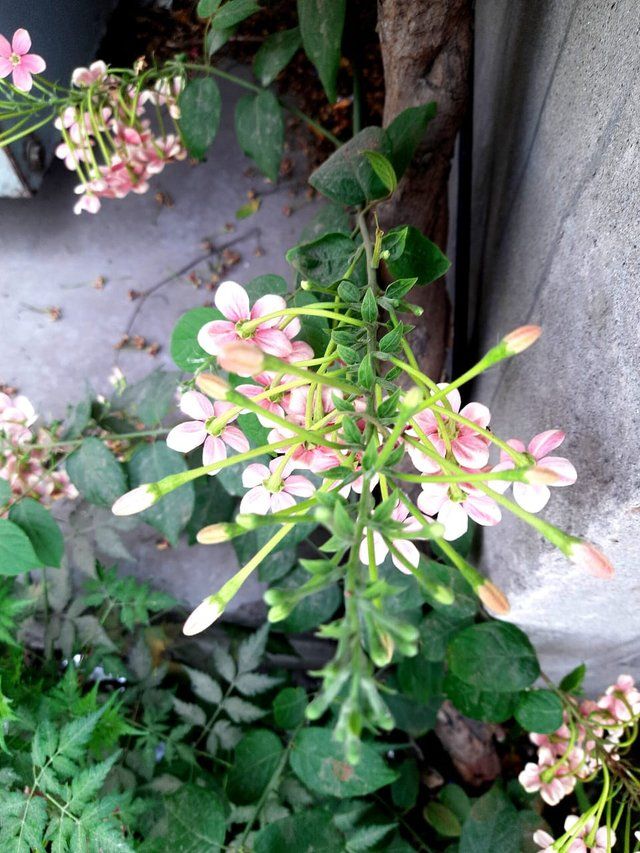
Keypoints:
pixel 556 228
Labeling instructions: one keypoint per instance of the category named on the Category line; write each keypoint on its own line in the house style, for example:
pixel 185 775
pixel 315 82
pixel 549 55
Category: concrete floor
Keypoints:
pixel 51 258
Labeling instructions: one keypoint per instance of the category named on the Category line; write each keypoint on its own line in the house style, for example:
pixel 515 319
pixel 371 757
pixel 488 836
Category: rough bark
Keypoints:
pixel 426 49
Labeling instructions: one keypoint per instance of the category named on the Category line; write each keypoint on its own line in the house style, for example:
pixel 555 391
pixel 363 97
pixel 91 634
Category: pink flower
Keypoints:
pixel 530 497
pixel 87 76
pixel 622 699
pixel 604 838
pixel 406 547
pixel 16 416
pixel 191 434
pixel 468 447
pixel 268 493
pixel 232 301
pixel 15 59
pixel 454 514
pixel 544 841
pixel 534 778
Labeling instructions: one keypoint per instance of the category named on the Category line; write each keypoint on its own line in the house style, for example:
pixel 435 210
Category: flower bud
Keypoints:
pixel 540 476
pixel 413 398
pixel 588 557
pixel 306 285
pixel 213 386
pixel 137 500
pixel 242 358
pixel 213 534
pixel 521 339
pixel 204 615
pixel 493 598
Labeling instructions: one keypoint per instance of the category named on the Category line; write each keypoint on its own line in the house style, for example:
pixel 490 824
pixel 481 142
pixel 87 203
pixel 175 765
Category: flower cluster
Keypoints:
pixel 23 464
pixel 576 750
pixel 109 140
pixel 585 837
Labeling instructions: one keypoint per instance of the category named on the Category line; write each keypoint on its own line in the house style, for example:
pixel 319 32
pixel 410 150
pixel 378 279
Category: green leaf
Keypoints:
pixel 256 759
pixel 383 169
pixel 309 831
pixel 406 132
pixel 260 131
pixel 323 261
pixel 455 799
pixel 251 649
pixel 349 291
pixel 262 285
pixel 204 686
pixel 215 39
pixel 465 601
pixel 289 707
pixel 17 554
pixel 200 104
pixel 206 8
pixel 366 376
pixel 313 610
pixel 485 705
pixel 398 289
pixel 321 26
pixel 212 504
pixel 196 820
pixel 248 209
pixel 412 255
pixel 404 791
pixel 233 12
pixel 318 761
pixel 539 711
pixel 275 53
pixel 41 528
pixel 151 399
pixel 369 307
pixel 185 349
pixel 347 176
pixel 96 473
pixel 171 513
pixel 421 679
pixel 331 218
pixel 494 656
pixel 443 820
pixel 572 683
pixel 492 825
pixel 241 711
pixel 392 340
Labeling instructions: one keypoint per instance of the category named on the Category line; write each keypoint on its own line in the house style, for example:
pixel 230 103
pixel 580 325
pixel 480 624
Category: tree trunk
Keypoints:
pixel 426 49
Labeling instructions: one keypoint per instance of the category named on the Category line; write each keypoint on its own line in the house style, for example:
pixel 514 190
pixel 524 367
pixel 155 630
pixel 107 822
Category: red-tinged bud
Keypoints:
pixel 242 358
pixel 213 386
pixel 137 500
pixel 493 598
pixel 588 557
pixel 521 338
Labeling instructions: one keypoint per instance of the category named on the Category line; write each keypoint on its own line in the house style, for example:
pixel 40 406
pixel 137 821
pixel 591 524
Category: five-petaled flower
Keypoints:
pixel 405 547
pixel 202 429
pixel 270 491
pixel 15 59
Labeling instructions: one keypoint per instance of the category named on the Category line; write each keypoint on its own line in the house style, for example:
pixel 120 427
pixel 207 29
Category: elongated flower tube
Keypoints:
pixel 135 501
pixel 587 556
pixel 242 357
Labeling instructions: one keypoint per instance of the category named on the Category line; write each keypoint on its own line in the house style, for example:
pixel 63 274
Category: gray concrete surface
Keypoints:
pixel 556 232
pixel 52 258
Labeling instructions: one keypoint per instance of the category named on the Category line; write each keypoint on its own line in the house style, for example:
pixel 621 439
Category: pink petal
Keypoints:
pixel 6 67
pixel 281 500
pixel 33 63
pixel 470 451
pixel 268 406
pixel 453 397
pixel 232 300
pixel 380 549
pixel 214 450
pixel 22 79
pixel 196 406
pixel 400 512
pixel 533 498
pixel 543 443
pixel 432 497
pixel 21 42
pixel 477 413
pixel 267 305
pixel 517 445
pixel 454 519
pixel 216 334
pixel 501 486
pixel 249 390
pixel 187 436
pixel 299 486
pixel 483 510
pixel 257 501
pixel 292 328
pixel 562 467
pixel 273 341
pixel 409 552
pixel 300 350
pixel 5 48
pixel 254 475
pixel 235 438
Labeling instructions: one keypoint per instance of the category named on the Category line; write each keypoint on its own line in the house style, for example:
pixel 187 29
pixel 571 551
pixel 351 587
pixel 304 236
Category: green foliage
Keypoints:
pixel 185 349
pixel 232 13
pixel 347 176
pixel 134 602
pixel 307 832
pixel 406 132
pixel 539 711
pixel 17 554
pixel 324 260
pixel 275 53
pixel 151 399
pixel 256 759
pixel 321 25
pixel 200 106
pixel 152 462
pixel 260 131
pixel 411 254
pixel 41 528
pixel 96 473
